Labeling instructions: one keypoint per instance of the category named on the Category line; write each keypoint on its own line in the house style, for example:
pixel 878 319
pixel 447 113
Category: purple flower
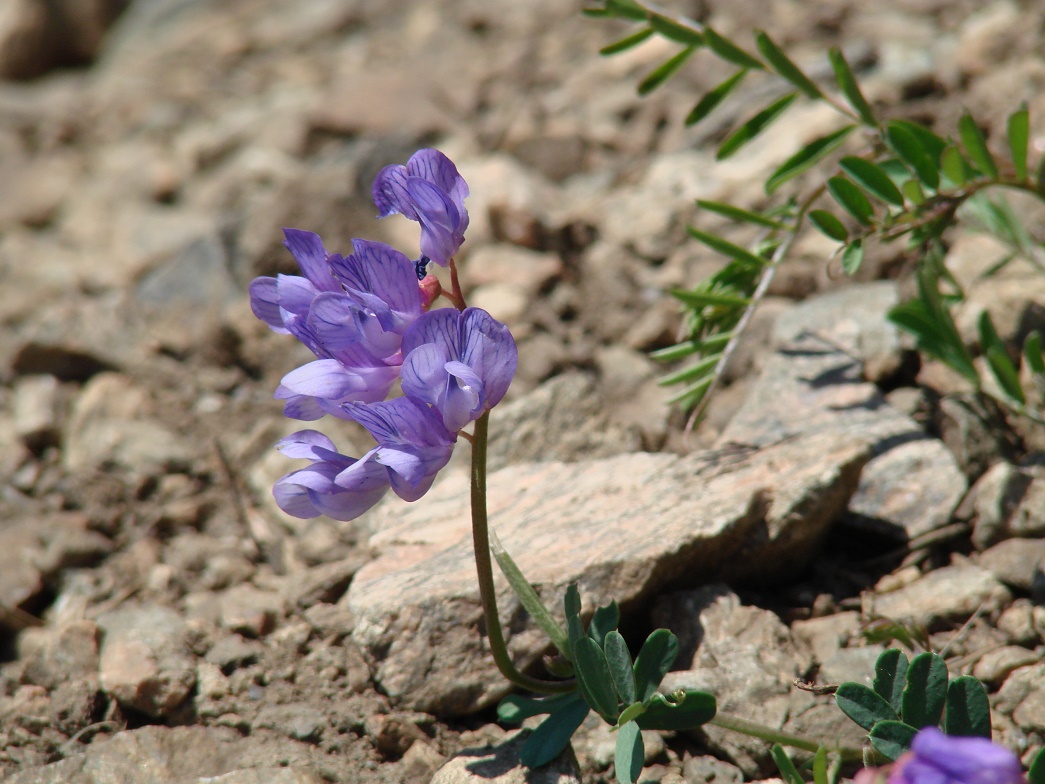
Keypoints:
pixel 350 312
pixel 936 758
pixel 412 446
pixel 428 190
pixel 459 362
pixel 944 759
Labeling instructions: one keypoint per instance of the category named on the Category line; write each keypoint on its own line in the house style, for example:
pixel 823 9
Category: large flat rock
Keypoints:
pixel 622 527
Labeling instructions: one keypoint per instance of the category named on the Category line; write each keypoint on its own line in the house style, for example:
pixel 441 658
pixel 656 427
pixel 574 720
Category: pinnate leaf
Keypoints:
pixel 890 677
pixel 663 72
pixel 753 127
pixel 1019 133
pixel 910 149
pixel 655 658
pixel 829 225
pixel 863 705
pixel 872 178
pixel 728 50
pixel 675 31
pixel 976 145
pixel 851 199
pixel 783 65
pixel 968 710
pixel 628 757
pixel 809 155
pixel 892 738
pixel 926 691
pixel 553 735
pixel 726 248
pixel 739 214
pixel 624 44
pixel 853 257
pixel 713 98
pixel 850 87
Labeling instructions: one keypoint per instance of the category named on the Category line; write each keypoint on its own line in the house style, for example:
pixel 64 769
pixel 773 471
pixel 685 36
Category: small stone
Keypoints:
pixel 1023 622
pixel 1018 563
pixel 250 611
pixel 952 593
pixel 36 411
pixel 825 636
pixel 145 664
pixel 710 770
pixel 995 666
pixel 500 765
pixel 995 497
pixel 54 656
pixel 421 760
pixel 297 721
pixel 232 652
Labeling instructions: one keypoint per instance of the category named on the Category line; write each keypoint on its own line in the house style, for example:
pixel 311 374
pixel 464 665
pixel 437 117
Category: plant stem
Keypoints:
pixel 756 730
pixel 484 572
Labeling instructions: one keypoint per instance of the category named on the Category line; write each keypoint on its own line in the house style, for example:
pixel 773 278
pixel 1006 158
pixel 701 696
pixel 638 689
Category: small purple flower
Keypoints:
pixel 944 759
pixel 428 190
pixel 459 362
pixel 412 447
pixel 936 758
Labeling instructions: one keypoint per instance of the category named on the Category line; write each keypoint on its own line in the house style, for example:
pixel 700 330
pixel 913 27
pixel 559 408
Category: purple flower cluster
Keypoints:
pixel 936 758
pixel 365 318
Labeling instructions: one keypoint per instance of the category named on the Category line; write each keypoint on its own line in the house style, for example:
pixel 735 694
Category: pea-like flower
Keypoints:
pixel 350 311
pixel 461 363
pixel 936 758
pixel 412 446
pixel 429 190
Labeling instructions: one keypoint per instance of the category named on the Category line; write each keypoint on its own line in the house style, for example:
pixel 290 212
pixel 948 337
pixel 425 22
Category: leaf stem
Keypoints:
pixel 771 735
pixel 484 572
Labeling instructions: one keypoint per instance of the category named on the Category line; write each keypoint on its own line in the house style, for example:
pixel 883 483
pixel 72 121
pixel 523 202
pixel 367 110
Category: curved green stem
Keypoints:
pixel 484 572
pixel 756 730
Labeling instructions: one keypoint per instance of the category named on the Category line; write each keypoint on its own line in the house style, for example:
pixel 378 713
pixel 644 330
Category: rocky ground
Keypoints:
pixel 163 622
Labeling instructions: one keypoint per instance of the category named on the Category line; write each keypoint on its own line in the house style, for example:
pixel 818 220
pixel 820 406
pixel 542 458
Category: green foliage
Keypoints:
pixel 623 692
pixel 906 182
pixel 909 696
pixel 788 772
pixel 1036 774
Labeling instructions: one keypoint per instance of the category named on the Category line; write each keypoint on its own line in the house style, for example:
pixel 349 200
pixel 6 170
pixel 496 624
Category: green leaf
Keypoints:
pixel 574 627
pixel 933 144
pixel 890 677
pixel 691 372
pixel 603 621
pixel 627 760
pixel 628 9
pixel 618 657
pixel 1019 133
pixel 892 738
pixel 968 712
pixel 728 50
pixel 1036 773
pixel 809 155
pixel 862 705
pixel 998 359
pixel 853 257
pixel 926 691
pixel 715 242
pixel 1033 355
pixel 631 713
pixel 690 395
pixel 976 146
pixel 911 151
pixel 627 43
pixel 829 225
pixel 820 766
pixel 713 98
pixel 553 735
pixel 528 597
pixel 675 31
pixel 783 65
pixel 850 87
pixel 663 72
pixel 913 192
pixel 683 711
pixel 954 167
pixel 655 658
pixel 872 178
pixel 753 127
pixel 594 673
pixel 788 772
pixel 515 709
pixel 741 215
pixel 712 343
pixel 703 299
pixel 851 199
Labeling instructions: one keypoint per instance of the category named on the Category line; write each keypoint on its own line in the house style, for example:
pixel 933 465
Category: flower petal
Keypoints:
pixel 402 421
pixel 390 194
pixel 434 166
pixel 264 302
pixel 324 378
pixel 307 249
pixel 463 402
pixel 441 225
pixel 378 269
pixel 490 350
pixel 308 444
